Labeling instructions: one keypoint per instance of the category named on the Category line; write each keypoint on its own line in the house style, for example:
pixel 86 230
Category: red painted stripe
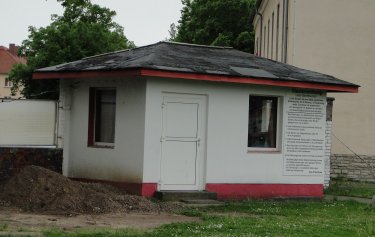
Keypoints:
pixel 148 189
pixel 228 191
pixel 195 76
pixel 244 191
pixel 249 80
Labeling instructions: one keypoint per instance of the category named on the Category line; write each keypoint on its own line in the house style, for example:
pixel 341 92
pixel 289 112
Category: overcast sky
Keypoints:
pixel 145 21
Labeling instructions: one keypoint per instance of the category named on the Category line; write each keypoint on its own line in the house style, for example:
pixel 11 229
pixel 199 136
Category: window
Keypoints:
pixel 277 31
pixel 273 23
pixel 262 131
pixel 102 115
pixel 264 42
pixel 268 39
pixel 8 83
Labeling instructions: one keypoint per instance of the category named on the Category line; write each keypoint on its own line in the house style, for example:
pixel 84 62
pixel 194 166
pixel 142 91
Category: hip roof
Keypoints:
pixel 187 61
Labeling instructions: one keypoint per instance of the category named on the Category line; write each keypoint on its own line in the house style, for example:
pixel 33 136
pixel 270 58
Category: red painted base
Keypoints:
pixel 244 191
pixel 229 191
pixel 142 189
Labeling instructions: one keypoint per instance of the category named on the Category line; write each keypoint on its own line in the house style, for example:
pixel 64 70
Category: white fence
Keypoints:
pixel 28 123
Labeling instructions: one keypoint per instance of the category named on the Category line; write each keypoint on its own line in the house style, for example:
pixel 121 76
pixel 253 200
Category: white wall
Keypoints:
pixel 27 123
pixel 124 162
pixel 227 159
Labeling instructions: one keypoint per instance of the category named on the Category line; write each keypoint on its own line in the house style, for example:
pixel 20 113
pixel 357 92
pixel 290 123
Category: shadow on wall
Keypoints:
pixel 12 160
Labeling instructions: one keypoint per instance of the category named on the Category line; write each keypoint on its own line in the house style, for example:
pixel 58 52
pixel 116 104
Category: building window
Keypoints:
pixel 263 120
pixel 273 23
pixel 268 39
pixel 277 31
pixel 102 116
pixel 8 83
pixel 264 42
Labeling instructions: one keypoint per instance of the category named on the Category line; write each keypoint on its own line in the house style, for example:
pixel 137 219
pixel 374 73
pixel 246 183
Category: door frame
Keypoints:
pixel 201 149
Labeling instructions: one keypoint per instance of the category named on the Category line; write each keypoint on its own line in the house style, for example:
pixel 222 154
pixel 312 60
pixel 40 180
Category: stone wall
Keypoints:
pixel 12 160
pixel 328 143
pixel 327 162
pixel 358 168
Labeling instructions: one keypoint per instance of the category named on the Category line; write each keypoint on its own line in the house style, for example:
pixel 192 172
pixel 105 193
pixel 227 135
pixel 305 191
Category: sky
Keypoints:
pixel 144 21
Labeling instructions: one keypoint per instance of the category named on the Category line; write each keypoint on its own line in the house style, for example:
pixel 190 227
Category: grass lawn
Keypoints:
pixel 262 218
pixel 342 187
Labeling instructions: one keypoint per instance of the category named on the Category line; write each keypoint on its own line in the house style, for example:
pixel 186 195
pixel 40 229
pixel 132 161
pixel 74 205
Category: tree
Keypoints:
pixel 217 22
pixel 172 32
pixel 84 29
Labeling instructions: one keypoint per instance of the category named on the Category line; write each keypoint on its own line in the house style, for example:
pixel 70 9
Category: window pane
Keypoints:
pixel 262 121
pixel 105 115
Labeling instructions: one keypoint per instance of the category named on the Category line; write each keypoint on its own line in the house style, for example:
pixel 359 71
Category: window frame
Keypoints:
pixel 92 118
pixel 8 83
pixel 279 123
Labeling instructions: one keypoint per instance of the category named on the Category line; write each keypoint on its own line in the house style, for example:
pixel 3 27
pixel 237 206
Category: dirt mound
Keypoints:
pixel 37 189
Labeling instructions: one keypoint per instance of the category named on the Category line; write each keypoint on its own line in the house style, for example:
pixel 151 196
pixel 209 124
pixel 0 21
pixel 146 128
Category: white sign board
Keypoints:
pixel 304 134
pixel 27 123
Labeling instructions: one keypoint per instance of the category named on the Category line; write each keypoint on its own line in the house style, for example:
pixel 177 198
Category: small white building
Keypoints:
pixel 172 116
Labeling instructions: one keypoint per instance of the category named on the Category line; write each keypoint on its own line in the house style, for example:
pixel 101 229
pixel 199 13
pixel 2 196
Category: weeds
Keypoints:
pixel 3 226
pixel 344 187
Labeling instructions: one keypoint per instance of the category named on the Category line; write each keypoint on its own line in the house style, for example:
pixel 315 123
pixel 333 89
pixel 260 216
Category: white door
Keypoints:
pixel 182 142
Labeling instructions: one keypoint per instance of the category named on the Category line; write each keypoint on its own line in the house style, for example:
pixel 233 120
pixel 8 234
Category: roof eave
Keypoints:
pixel 196 76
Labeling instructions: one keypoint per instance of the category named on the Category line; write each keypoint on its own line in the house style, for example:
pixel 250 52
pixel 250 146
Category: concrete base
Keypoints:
pixel 185 195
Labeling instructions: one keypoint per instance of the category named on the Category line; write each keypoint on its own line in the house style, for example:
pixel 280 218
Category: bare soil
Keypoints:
pixel 38 198
pixel 16 220
pixel 39 190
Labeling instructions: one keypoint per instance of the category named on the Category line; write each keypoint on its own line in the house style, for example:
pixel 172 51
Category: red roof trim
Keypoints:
pixel 249 80
pixel 196 76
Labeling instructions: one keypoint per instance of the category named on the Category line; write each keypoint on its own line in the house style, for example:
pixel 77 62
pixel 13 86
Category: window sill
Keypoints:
pixel 264 150
pixel 102 146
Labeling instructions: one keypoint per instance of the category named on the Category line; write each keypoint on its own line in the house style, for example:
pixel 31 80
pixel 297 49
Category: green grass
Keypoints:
pixel 262 218
pixel 342 187
pixel 3 226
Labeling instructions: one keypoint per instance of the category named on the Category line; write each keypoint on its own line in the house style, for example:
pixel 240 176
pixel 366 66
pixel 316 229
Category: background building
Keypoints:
pixel 335 37
pixel 8 57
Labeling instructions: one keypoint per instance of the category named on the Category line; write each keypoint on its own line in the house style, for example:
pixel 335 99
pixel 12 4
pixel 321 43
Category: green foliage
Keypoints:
pixel 172 32
pixel 223 40
pixel 344 187
pixel 217 22
pixel 84 29
pixel 3 226
pixel 193 212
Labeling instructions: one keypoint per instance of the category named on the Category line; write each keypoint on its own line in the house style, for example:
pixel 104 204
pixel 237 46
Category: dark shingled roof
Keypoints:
pixel 187 58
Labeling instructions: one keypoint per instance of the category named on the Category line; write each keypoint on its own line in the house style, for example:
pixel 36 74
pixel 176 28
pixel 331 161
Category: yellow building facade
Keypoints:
pixel 334 37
